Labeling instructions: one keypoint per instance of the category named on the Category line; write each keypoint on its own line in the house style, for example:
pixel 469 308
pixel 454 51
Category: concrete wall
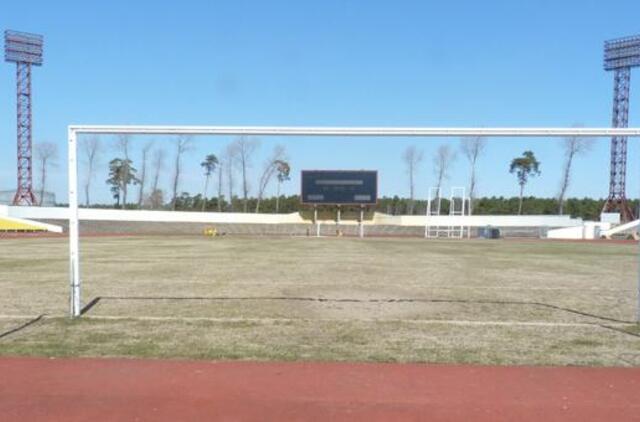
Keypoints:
pixel 168 222
pixel 481 220
pixel 589 230
pixel 158 216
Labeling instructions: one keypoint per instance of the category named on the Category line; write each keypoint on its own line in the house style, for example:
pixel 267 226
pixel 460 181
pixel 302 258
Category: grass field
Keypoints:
pixel 492 302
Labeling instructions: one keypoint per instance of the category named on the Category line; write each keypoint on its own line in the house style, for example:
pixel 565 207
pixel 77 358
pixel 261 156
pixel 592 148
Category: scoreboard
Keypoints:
pixel 339 187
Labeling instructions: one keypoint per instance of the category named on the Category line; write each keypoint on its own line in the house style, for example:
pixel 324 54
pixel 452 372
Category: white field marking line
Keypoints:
pixel 603 289
pixel 268 320
pixel 451 287
pixel 408 321
pixel 15 317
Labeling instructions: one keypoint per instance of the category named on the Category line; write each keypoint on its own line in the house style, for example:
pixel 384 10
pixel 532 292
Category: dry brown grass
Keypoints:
pixel 326 299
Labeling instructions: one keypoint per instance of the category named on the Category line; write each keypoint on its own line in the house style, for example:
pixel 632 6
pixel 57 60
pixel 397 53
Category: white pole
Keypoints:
pixel 315 220
pixel 464 204
pixel 427 215
pixel 358 131
pixel 361 228
pixel 74 247
pixel 469 220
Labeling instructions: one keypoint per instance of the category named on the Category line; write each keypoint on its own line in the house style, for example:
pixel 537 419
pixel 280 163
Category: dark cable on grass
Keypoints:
pixel 619 330
pixel 384 300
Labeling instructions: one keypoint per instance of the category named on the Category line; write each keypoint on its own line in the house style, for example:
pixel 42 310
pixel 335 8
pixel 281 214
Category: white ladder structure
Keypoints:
pixel 458 207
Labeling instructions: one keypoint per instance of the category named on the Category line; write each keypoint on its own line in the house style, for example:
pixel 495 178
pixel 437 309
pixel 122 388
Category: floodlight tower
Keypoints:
pixel 24 50
pixel 620 55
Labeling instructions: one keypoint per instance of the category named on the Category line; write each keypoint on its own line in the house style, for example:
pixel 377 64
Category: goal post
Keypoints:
pixel 75 280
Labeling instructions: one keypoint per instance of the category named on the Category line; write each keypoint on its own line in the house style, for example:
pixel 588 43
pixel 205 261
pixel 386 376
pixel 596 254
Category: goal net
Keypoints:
pixel 482 276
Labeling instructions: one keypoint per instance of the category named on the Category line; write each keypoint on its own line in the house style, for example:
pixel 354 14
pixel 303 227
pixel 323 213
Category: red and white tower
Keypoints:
pixel 620 55
pixel 25 50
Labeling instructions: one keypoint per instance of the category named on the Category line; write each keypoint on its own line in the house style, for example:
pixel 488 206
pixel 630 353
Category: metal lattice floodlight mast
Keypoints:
pixel 74 131
pixel 620 55
pixel 25 50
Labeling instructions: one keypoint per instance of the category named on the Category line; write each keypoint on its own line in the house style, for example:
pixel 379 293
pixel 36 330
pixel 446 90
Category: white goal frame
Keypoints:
pixel 389 132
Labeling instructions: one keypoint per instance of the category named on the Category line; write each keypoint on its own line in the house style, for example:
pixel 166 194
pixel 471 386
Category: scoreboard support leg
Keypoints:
pixel 315 220
pixel 361 225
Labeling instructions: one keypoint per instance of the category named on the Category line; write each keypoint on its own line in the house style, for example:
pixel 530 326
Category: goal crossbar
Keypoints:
pixel 425 132
pixel 354 131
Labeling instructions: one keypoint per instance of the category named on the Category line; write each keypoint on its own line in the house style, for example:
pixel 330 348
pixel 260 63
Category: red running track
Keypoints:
pixel 33 389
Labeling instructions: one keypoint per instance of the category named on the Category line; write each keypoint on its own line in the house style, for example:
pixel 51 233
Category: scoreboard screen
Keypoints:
pixel 339 187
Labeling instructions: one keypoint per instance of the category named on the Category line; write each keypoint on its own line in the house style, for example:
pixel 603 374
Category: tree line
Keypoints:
pixel 225 167
pixel 585 208
pixel 524 167
pixel 228 171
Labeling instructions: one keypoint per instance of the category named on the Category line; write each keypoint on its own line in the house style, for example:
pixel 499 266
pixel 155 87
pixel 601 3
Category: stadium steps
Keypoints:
pixel 19 225
pixel 109 227
pixel 622 231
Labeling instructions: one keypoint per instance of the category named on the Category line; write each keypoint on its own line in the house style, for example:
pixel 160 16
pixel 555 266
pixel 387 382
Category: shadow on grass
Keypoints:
pixel 21 327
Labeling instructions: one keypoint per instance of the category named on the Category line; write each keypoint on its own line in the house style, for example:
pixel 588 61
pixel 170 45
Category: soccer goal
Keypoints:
pixel 425 134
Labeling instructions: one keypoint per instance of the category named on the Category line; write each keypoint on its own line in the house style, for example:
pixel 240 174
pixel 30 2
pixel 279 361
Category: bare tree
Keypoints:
pixel 472 148
pixel 183 143
pixel 412 158
pixel 228 163
pixel 46 154
pixel 573 146
pixel 143 171
pixel 270 169
pixel 158 165
pixel 245 147
pixel 155 199
pixel 443 159
pixel 123 145
pixel 91 149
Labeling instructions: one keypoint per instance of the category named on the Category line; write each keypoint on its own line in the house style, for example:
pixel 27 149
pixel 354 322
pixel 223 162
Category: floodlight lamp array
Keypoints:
pixel 22 47
pixel 622 52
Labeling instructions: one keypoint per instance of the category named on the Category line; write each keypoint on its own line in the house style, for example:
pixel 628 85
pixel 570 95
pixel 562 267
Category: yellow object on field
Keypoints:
pixel 210 231
pixel 7 225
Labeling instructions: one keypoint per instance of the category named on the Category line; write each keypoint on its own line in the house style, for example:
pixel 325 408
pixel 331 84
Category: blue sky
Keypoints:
pixel 406 63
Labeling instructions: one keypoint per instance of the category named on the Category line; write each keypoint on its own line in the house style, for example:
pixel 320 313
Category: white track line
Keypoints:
pixel 373 320
pixel 370 320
